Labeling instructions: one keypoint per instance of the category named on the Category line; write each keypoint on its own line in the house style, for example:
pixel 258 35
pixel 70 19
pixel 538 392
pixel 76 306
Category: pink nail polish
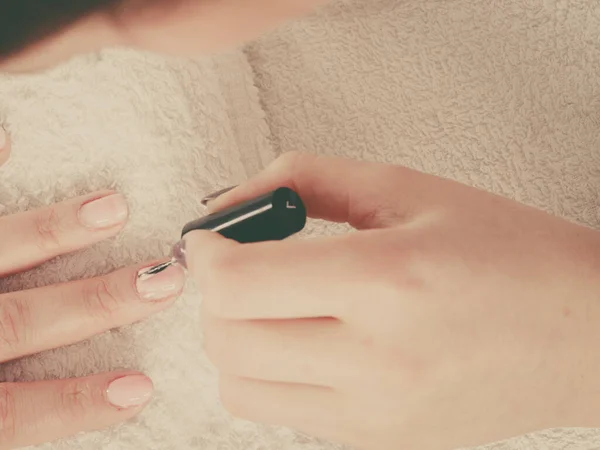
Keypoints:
pixel 104 212
pixel 130 391
pixel 162 285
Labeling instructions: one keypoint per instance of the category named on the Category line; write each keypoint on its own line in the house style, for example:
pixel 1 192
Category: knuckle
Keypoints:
pixel 15 323
pixel 215 345
pixel 74 400
pixel 401 272
pixel 7 415
pixel 398 366
pixel 220 271
pixel 101 298
pixel 405 267
pixel 48 230
pixel 289 159
pixel 292 162
pixel 221 262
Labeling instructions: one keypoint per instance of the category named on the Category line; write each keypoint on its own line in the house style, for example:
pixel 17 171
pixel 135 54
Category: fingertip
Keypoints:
pixel 43 411
pixel 279 173
pixel 106 212
pixel 159 286
pixel 130 391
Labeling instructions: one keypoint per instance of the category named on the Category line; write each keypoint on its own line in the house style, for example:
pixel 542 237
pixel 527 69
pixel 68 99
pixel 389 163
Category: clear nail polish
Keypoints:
pixel 104 212
pixel 178 259
pixel 179 254
pixel 130 391
pixel 161 285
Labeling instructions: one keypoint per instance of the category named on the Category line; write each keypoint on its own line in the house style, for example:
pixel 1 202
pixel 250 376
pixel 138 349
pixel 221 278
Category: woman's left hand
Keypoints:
pixel 452 318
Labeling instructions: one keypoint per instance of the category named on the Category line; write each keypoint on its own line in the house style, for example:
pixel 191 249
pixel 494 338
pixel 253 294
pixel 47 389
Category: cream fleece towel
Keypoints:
pixel 163 133
pixel 503 95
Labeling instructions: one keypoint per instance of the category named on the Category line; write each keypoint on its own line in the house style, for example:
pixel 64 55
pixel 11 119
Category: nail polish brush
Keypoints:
pixel 271 217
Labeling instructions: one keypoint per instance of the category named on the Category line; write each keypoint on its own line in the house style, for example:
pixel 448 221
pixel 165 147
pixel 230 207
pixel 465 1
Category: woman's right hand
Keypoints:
pixel 39 319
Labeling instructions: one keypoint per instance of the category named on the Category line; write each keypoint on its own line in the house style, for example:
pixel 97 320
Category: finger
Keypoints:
pixel 33 237
pixel 39 412
pixel 312 351
pixel 292 405
pixel 50 317
pixel 4 146
pixel 308 278
pixel 363 194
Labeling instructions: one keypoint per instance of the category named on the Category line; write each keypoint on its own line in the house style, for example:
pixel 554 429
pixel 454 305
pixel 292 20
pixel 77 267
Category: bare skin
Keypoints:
pixel 451 318
pixel 182 28
pixel 40 319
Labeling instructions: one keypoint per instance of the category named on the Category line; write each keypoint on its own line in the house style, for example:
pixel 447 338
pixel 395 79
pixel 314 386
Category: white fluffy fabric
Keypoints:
pixel 163 133
pixel 502 95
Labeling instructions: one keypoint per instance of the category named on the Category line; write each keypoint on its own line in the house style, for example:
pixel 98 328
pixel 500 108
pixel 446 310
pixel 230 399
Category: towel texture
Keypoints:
pixel 163 133
pixel 502 95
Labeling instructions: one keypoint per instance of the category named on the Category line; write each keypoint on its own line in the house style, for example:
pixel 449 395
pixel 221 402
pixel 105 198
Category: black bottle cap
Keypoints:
pixel 271 217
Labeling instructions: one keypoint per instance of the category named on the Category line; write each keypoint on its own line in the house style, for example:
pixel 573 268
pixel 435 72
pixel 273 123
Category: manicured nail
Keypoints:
pixel 130 391
pixel 209 198
pixel 179 254
pixel 104 212
pixel 162 285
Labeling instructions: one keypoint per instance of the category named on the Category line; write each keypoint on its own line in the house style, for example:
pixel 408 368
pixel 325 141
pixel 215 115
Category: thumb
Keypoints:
pixel 363 194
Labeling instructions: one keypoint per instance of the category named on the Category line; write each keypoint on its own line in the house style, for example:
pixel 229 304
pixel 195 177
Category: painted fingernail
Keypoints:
pixel 179 254
pixel 162 285
pixel 130 391
pixel 209 198
pixel 104 212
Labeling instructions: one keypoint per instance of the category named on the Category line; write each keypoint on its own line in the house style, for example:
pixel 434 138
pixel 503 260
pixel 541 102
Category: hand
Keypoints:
pixel 452 318
pixel 45 318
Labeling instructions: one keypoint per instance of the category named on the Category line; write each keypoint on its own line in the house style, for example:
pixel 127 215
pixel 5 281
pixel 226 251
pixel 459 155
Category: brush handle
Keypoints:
pixel 271 217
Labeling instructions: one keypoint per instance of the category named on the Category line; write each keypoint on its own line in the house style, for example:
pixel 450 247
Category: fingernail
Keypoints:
pixel 179 254
pixel 209 198
pixel 129 391
pixel 104 212
pixel 162 285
